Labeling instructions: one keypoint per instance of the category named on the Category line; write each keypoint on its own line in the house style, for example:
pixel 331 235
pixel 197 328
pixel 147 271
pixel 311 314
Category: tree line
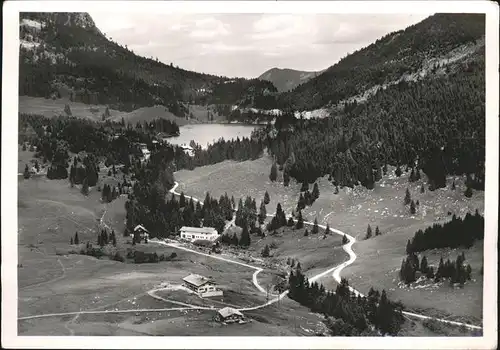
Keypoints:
pixel 455 272
pixel 357 314
pixel 454 234
pixel 436 125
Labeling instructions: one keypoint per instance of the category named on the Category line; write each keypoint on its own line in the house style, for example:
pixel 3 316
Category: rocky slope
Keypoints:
pixel 403 55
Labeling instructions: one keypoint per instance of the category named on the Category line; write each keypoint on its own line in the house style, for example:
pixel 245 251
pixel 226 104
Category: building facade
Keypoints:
pixel 203 286
pixel 141 232
pixel 229 315
pixel 198 233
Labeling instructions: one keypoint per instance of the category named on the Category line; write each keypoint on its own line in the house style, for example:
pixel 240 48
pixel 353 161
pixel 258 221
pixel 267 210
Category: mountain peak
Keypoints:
pixel 70 19
pixel 286 79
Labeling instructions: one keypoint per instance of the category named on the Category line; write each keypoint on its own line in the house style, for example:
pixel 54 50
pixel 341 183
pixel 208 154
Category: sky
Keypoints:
pixel 246 45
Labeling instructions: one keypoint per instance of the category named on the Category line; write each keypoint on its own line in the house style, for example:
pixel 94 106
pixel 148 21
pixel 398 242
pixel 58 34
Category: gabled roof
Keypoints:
pixel 197 280
pixel 228 311
pixel 198 229
pixel 140 227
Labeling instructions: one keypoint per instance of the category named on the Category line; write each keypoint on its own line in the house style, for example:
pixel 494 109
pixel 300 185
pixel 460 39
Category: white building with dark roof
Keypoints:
pixel 199 233
pixel 203 286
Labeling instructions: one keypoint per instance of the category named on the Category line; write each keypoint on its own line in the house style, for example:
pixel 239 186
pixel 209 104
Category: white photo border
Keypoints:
pixel 10 62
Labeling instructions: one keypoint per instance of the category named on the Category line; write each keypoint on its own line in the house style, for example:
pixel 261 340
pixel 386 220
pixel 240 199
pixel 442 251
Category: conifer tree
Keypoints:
pixel 377 231
pixel 368 232
pixel 453 187
pixel 76 240
pixel 412 207
pixel 315 229
pixel 266 198
pixel 305 186
pixel 409 248
pixel 262 213
pixel 274 172
pixel 315 192
pixel 300 221
pixel 412 176
pixel 265 251
pixel 327 230
pixel 468 192
pixel 424 265
pixel 407 199
pixel 422 189
pixel 245 237
pixel 306 233
pixel 182 200
pixel 286 177
pixel 26 174
pixel 398 171
pixel 344 240
pixel 440 270
pixel 301 203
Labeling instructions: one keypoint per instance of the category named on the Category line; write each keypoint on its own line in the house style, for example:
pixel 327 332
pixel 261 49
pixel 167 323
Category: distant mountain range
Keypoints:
pixel 287 79
pixel 66 55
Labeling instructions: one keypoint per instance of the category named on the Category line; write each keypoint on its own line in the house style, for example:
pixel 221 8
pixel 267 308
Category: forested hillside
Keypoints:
pixel 243 92
pixel 65 55
pixel 436 124
pixel 386 60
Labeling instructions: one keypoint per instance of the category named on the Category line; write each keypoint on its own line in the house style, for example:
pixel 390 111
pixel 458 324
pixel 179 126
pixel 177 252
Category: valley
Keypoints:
pixel 293 197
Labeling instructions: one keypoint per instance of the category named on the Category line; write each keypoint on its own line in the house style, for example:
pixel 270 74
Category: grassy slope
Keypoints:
pixel 351 211
pixel 51 281
pixel 50 108
pixel 147 114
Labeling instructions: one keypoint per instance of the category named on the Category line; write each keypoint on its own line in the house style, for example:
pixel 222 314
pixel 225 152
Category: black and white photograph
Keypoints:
pixel 287 174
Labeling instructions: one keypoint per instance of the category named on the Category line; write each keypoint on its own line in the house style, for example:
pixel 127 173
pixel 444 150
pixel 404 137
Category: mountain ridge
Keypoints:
pixel 66 55
pixel 286 79
pixel 387 59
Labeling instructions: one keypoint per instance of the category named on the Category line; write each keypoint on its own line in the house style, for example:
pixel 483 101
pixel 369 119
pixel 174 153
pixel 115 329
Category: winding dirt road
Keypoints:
pixel 334 271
